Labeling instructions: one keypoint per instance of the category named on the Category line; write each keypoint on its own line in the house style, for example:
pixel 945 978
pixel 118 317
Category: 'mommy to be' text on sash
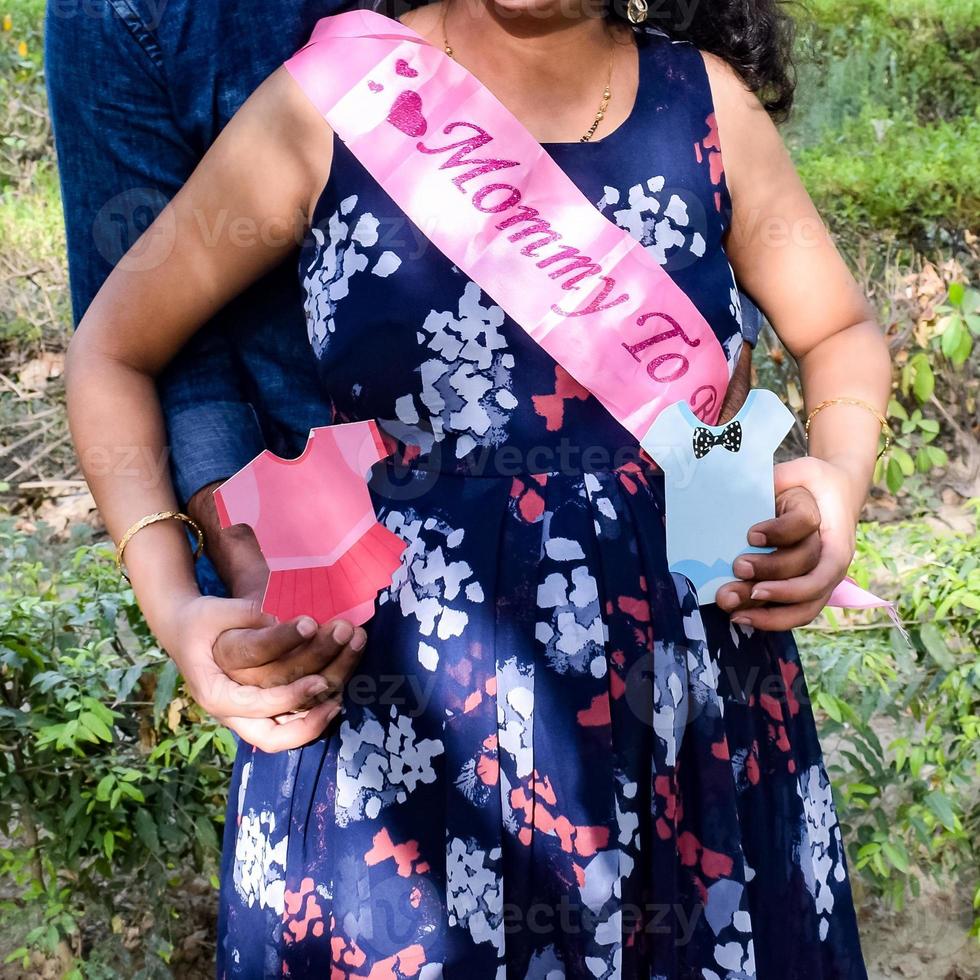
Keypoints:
pixel 489 197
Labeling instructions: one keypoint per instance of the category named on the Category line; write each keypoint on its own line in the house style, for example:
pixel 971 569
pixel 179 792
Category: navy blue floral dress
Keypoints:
pixel 553 763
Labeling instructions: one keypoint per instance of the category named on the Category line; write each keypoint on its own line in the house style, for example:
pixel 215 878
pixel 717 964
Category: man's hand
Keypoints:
pixel 813 534
pixel 266 654
pixel 738 387
pixel 259 653
pixel 233 551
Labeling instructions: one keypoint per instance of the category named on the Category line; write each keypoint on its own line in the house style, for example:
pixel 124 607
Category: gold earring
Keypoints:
pixel 636 11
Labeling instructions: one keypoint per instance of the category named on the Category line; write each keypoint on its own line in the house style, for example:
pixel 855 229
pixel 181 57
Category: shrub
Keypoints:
pixel 918 57
pixel 111 783
pixel 903 721
pixel 885 127
pixel 891 179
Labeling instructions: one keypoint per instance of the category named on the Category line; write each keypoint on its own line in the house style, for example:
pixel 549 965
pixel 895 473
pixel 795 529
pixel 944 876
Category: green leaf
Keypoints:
pixel 226 742
pixel 829 704
pixel 904 460
pixel 897 855
pixel 923 462
pixel 205 833
pixel 935 644
pixel 894 477
pixel 897 410
pixel 956 343
pixel 100 710
pixel 166 685
pixel 200 743
pixel 94 724
pixel 924 382
pixel 146 830
pixel 942 809
pixel 104 789
pixel 957 291
pixel 132 792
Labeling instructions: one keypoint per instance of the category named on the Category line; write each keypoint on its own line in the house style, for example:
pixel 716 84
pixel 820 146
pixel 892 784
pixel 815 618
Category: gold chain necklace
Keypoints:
pixel 606 92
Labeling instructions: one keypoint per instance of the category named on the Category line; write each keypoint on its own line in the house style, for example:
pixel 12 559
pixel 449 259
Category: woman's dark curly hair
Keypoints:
pixel 755 37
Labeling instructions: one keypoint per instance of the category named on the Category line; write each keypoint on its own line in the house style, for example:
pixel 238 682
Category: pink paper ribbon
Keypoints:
pixel 850 595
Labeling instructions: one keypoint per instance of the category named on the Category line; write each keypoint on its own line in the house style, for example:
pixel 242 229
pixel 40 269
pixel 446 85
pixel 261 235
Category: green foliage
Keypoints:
pixel 33 235
pixel 34 307
pixel 912 449
pixel 942 354
pixel 885 129
pixel 919 58
pixel 903 722
pixel 111 784
pixel 958 17
pixel 25 133
pixel 935 389
pixel 889 177
pixel 959 323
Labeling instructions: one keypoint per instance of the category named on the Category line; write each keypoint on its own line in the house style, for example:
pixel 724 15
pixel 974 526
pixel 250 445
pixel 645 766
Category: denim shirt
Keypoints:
pixel 138 90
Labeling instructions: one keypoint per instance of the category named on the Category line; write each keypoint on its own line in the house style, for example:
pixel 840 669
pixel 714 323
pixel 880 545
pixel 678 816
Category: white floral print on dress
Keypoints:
pixel 341 252
pixel 474 891
pixel 379 764
pixel 570 621
pixel 430 585
pixel 515 715
pixel 657 218
pixel 260 855
pixel 466 385
pixel 818 852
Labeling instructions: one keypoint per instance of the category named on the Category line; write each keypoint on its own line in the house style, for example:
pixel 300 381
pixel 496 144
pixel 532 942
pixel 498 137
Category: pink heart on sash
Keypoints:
pixel 406 114
pixel 403 68
pixel 375 86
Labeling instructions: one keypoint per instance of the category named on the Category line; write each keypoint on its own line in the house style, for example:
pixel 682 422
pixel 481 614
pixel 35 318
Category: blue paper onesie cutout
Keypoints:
pixel 719 482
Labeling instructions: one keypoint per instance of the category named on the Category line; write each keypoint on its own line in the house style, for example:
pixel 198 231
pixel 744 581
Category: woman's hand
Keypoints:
pixel 249 709
pixel 814 535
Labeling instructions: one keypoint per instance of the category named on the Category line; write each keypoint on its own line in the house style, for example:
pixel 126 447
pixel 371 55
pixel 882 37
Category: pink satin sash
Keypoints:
pixel 491 199
pixel 488 196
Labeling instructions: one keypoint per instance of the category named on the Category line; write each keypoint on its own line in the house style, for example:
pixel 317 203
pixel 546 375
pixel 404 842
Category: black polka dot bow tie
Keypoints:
pixel 729 438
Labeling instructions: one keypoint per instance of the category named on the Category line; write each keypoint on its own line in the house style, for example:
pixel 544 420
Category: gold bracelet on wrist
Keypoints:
pixel 165 515
pixel 882 421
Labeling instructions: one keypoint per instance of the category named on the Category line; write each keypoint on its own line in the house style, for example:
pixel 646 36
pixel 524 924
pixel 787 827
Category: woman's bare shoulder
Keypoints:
pixel 730 92
pixel 284 114
pixel 745 128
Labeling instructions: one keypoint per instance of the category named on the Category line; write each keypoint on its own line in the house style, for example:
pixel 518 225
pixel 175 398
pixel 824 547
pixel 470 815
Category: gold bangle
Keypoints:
pixel 165 515
pixel 882 421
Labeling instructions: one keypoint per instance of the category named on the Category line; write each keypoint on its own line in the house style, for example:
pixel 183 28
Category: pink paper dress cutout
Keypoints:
pixel 315 523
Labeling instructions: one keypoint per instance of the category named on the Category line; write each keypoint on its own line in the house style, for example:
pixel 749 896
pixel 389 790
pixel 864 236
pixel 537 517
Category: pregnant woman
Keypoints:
pixel 553 763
